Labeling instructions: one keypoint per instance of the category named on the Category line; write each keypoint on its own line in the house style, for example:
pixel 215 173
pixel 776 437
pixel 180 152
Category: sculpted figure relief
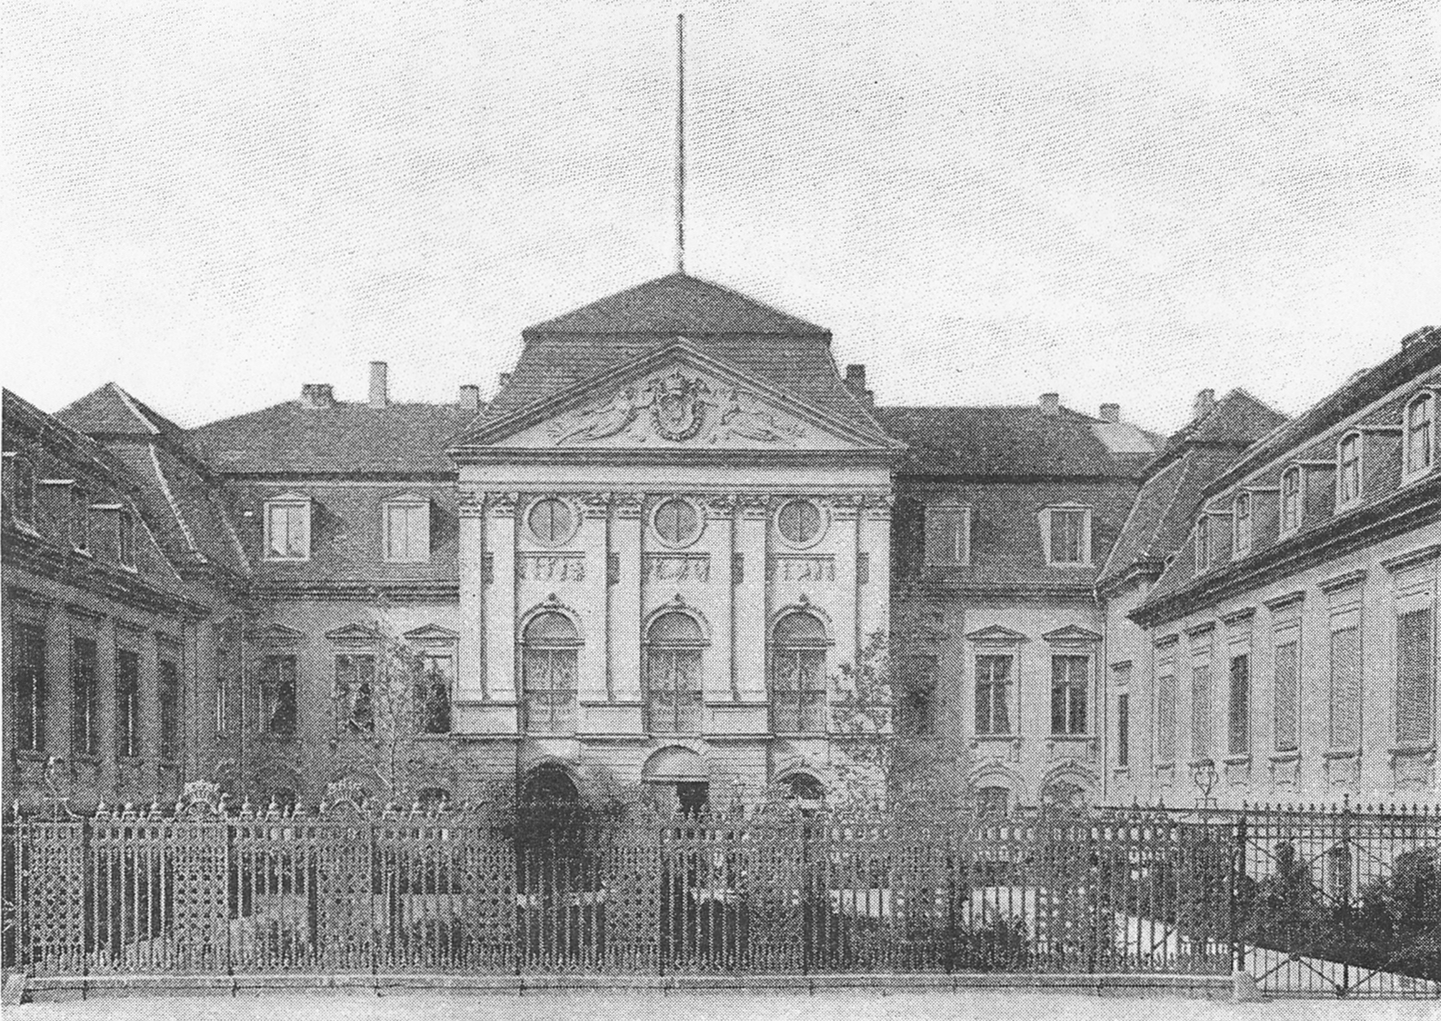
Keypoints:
pixel 677 409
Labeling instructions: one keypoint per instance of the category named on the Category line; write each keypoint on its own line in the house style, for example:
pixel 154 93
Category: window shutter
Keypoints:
pixel 1286 697
pixel 1415 681
pixel 1201 712
pixel 1346 688
pixel 1166 717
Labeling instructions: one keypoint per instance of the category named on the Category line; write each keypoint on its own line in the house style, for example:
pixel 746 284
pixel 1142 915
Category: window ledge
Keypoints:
pixel 561 735
pixel 1341 753
pixel 89 758
pixel 82 552
pixel 30 755
pixel 27 527
pixel 996 737
pixel 1121 771
pixel 284 560
pixel 130 760
pixel 1413 749
pixel 1239 759
pixel 432 738
pixel 1294 755
pixel 786 733
pixel 1072 738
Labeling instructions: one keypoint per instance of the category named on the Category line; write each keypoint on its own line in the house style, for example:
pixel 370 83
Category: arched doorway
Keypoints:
pixel 686 775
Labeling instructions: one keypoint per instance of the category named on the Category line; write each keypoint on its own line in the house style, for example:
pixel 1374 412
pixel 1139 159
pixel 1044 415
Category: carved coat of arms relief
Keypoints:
pixel 677 408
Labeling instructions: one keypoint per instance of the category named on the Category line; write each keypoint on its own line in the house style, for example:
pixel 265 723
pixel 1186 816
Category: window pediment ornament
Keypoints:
pixel 1071 634
pixel 995 634
pixel 277 634
pixel 358 632
pixel 431 633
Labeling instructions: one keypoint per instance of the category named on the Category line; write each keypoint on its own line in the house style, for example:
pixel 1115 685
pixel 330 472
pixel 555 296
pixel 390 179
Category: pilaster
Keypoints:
pixel 471 676
pixel 751 597
pixel 594 541
pixel 627 529
pixel 501 516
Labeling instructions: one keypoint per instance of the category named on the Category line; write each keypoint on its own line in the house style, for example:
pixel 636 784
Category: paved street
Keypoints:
pixel 720 1006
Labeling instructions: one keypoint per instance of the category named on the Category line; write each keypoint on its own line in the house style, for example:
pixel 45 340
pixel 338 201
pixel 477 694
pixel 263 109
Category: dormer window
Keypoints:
pixel 1241 525
pixel 948 535
pixel 407 529
pixel 24 491
pixel 1290 500
pixel 1420 435
pixel 1348 480
pixel 1203 543
pixel 1066 534
pixel 79 519
pixel 125 538
pixel 287 528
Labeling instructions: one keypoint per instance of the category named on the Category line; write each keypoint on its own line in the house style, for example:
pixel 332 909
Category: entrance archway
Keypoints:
pixel 685 773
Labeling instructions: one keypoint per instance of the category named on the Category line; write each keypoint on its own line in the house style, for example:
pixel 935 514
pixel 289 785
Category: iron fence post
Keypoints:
pixel 1345 891
pixel 1238 879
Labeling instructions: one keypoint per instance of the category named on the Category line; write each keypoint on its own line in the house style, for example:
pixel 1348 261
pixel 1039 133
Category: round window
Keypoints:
pixel 551 521
pixel 677 522
pixel 799 522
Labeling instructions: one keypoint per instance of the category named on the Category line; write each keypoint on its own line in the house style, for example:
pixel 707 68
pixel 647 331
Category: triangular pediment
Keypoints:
pixel 996 635
pixel 675 398
pixel 431 633
pixel 353 633
pixel 1071 633
pixel 277 634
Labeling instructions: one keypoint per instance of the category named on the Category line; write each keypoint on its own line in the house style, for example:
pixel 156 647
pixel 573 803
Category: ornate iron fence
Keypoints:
pixel 1335 902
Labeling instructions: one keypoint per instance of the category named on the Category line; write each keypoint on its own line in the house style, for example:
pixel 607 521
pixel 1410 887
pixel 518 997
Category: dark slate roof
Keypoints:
pixel 1420 352
pixel 1012 442
pixel 757 340
pixel 177 491
pixel 1194 457
pixel 678 303
pixel 110 411
pixel 294 439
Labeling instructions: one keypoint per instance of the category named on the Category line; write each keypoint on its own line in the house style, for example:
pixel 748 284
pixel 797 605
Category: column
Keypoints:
pixel 595 656
pixel 627 524
pixel 845 608
pixel 720 684
pixel 499 602
pixel 751 612
pixel 873 608
pixel 470 668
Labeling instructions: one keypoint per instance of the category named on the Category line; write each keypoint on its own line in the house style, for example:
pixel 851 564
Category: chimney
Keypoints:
pixel 379 395
pixel 1050 404
pixel 317 395
pixel 1110 412
pixel 1205 404
pixel 856 384
pixel 469 397
pixel 504 380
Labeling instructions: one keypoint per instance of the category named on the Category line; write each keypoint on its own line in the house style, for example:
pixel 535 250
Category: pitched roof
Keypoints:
pixel 110 411
pixel 291 438
pixel 1014 442
pixel 1194 457
pixel 678 303
pixel 789 353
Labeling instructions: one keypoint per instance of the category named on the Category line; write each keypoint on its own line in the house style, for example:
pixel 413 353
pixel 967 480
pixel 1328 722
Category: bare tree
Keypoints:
pixel 887 721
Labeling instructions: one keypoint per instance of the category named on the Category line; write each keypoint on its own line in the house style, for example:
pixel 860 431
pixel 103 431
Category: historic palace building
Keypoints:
pixel 653 555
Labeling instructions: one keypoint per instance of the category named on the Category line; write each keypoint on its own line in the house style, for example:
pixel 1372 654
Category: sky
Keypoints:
pixel 214 203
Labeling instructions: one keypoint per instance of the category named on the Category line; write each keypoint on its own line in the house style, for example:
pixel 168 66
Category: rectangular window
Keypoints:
pixel 1287 695
pixel 432 696
pixel 1349 480
pixel 1201 711
pixel 1238 741
pixel 355 692
pixel 1123 729
pixel 79 518
pixel 125 539
pixel 167 681
pixel 1070 677
pixel 947 535
pixel 287 530
pixel 1166 716
pixel 84 697
pixel 993 694
pixel 1241 524
pixel 24 491
pixel 863 568
pixel 798 691
pixel 1420 434
pixel 549 680
pixel 1346 688
pixel 1291 500
pixel 407 531
pixel 29 686
pixel 127 703
pixel 1416 677
pixel 277 694
pixel 917 709
pixel 1068 537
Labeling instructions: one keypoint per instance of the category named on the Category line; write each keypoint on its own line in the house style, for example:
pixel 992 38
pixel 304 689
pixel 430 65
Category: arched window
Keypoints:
pixel 549 646
pixel 673 689
pixel 798 674
pixel 1421 434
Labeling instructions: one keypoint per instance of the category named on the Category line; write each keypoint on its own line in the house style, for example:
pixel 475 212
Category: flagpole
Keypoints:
pixel 680 143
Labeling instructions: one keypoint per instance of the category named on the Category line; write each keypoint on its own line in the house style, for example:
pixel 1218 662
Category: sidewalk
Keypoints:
pixel 717 1006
